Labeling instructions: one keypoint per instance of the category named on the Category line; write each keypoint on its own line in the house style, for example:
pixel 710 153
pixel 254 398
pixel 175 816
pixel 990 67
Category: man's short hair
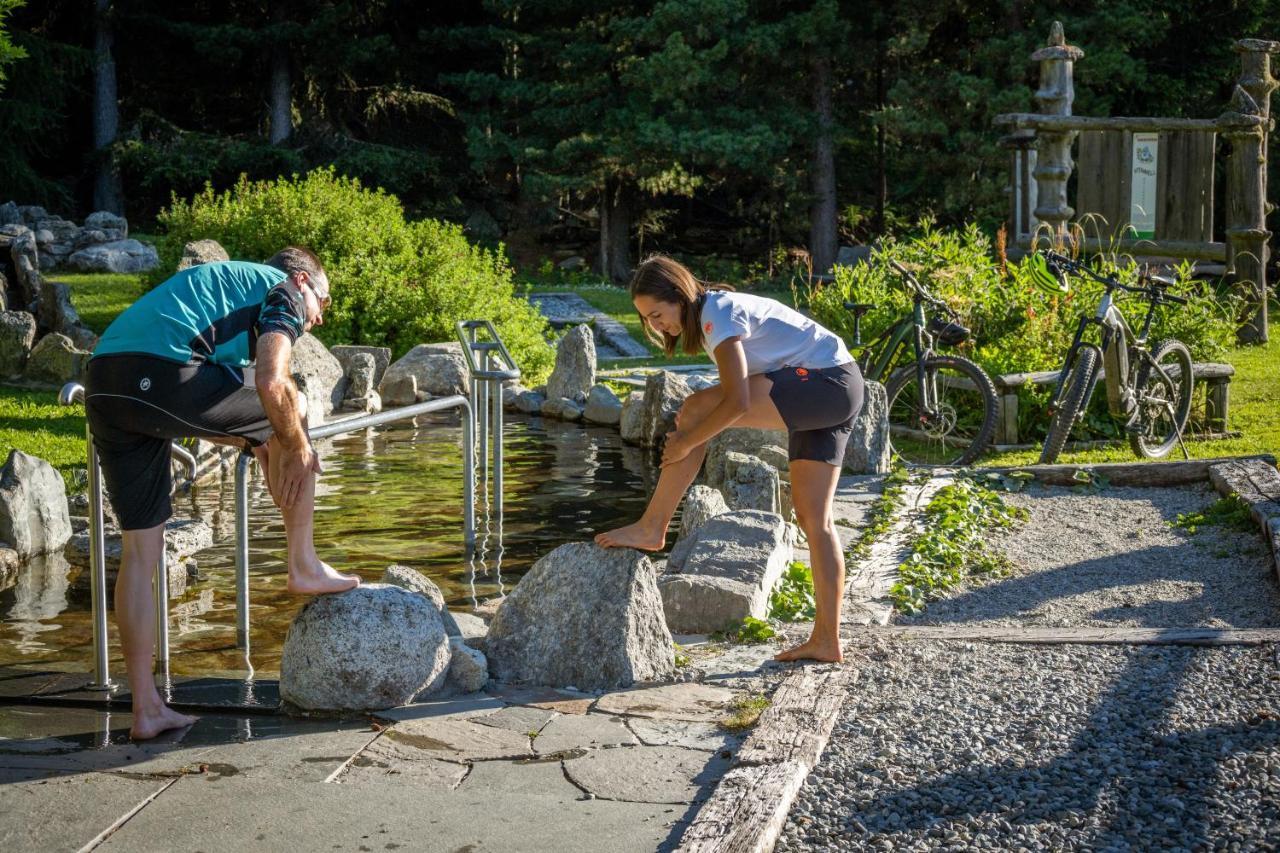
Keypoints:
pixel 295 259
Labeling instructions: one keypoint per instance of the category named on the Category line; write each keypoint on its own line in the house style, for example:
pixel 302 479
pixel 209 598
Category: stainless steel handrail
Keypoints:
pixel 495 367
pixel 340 427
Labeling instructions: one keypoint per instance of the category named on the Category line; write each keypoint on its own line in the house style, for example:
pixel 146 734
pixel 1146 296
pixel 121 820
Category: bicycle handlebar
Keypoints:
pixel 1155 292
pixel 919 288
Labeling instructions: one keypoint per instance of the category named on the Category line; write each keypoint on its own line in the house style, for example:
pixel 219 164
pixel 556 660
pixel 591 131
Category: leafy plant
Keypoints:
pixel 749 631
pixel 882 510
pixel 682 657
pixel 951 548
pixel 1231 512
pixel 792 598
pixel 744 711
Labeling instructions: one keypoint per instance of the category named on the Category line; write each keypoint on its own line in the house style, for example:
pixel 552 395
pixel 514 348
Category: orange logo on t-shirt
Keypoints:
pixel 707 328
pixel 800 371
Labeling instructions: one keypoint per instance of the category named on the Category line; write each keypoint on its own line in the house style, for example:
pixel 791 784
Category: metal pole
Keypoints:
pixel 468 478
pixel 161 589
pixel 482 413
pixel 242 550
pixel 97 570
pixel 497 446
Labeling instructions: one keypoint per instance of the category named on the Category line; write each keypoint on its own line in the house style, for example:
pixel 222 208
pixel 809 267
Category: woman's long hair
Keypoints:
pixel 667 280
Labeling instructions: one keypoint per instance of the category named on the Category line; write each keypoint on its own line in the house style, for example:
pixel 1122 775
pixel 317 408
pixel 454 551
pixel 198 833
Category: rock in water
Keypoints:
pixel 584 616
pixel 664 393
pixel 33 505
pixel 575 370
pixel 415 581
pixel 373 647
pixel 603 406
pixel 438 368
pixel 318 375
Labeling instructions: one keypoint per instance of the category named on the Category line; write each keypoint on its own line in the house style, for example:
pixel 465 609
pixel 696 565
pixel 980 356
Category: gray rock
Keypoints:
pixel 104 220
pixel 851 256
pixel 573 263
pixel 701 504
pixel 585 616
pixel 750 483
pixel 10 562
pixel 664 392
pixel 57 314
pixel 89 237
pixel 370 648
pixel 727 573
pixel 183 539
pixel 468 668
pixel 33 505
pixel 562 408
pixel 17 335
pixel 415 581
pixel 530 402
pixel 767 445
pixel 121 256
pixel 319 376
pixel 32 214
pixel 360 372
pixel 198 252
pixel 647 774
pixel 575 370
pixel 438 368
pixel 632 423
pixel 400 391
pixel 471 627
pixel 603 406
pixel 346 353
pixel 370 403
pixel 56 360
pixel 44 237
pixel 26 266
pixel 9 214
pixel 868 451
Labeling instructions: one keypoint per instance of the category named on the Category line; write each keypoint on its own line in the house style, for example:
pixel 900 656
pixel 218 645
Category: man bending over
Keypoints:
pixel 173 365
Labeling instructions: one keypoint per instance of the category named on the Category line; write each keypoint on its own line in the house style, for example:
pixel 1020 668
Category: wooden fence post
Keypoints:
pixel 1257 82
pixel 1246 223
pixel 1053 148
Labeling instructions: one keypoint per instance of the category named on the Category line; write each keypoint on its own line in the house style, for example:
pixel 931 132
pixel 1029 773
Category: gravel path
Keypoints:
pixel 1111 558
pixel 950 745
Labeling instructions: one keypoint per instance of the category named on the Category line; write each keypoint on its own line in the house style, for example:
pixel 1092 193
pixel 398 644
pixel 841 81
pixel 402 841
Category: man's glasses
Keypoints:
pixel 322 298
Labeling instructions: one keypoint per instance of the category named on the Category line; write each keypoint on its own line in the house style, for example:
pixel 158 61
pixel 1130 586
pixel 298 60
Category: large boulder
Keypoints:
pixel 727 574
pixel 751 483
pixel 561 408
pixel 530 402
pixel 346 354
pixel 586 617
pixel 57 314
pixel 318 374
pixel 9 214
pixel 105 220
pixel 868 450
pixel 664 392
pixel 767 445
pixel 415 581
pixel 56 360
pixel 370 648
pixel 33 505
pixel 701 504
pixel 439 369
pixel 360 371
pixel 183 539
pixel 603 406
pixel 122 256
pixel 20 241
pixel 575 370
pixel 198 252
pixel 17 336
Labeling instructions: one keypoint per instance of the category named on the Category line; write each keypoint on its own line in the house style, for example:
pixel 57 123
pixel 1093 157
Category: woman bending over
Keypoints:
pixel 778 370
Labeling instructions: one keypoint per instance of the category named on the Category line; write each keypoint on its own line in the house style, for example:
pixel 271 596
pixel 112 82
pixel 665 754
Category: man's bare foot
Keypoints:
pixel 322 580
pixel 636 535
pixel 812 649
pixel 148 724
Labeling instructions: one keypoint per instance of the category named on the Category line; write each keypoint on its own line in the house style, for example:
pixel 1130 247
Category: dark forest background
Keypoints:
pixel 730 127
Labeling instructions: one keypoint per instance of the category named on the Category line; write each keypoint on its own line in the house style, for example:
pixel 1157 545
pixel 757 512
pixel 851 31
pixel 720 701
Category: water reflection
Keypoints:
pixel 390 495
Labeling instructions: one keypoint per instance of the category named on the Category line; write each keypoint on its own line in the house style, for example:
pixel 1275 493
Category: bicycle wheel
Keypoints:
pixel 1163 404
pixel 964 420
pixel 1079 385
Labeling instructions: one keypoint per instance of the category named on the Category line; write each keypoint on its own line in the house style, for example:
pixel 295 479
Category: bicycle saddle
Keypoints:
pixel 858 308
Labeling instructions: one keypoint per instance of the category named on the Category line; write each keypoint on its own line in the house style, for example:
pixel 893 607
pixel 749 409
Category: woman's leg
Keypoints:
pixel 813 484
pixel 650 532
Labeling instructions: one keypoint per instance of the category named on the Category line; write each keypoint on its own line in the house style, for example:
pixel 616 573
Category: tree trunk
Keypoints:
pixel 822 212
pixel 615 231
pixel 882 171
pixel 106 113
pixel 279 95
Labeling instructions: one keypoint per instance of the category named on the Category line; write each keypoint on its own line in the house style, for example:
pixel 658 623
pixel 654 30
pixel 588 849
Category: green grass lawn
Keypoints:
pixel 100 297
pixel 33 422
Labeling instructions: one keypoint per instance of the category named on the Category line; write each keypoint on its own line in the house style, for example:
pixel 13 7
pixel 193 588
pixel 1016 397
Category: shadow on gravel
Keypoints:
pixel 1113 764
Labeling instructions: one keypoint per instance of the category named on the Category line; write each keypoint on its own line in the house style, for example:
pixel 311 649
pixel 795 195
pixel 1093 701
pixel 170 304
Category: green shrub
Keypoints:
pixel 792 598
pixel 394 283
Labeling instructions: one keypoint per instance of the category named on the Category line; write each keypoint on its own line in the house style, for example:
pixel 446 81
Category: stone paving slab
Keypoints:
pixel 461 740
pixel 45 810
pixel 647 774
pixel 691 701
pixel 552 699
pixel 708 737
pixel 590 731
pixel 522 720
pixel 390 761
pixel 194 817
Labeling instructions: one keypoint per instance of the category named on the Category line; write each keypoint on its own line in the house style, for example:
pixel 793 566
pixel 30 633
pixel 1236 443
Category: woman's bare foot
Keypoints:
pixel 812 649
pixel 638 535
pixel 148 724
pixel 323 579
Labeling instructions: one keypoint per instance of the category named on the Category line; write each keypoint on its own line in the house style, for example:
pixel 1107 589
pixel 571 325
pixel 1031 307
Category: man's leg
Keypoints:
pixel 136 619
pixel 813 485
pixel 650 532
pixel 308 574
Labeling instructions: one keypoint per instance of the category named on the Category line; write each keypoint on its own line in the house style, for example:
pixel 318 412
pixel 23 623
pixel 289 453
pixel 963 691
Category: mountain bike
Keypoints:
pixel 1150 387
pixel 942 408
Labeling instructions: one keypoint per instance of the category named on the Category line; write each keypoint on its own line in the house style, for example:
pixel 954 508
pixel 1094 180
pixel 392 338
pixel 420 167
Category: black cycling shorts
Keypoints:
pixel 136 404
pixel 818 405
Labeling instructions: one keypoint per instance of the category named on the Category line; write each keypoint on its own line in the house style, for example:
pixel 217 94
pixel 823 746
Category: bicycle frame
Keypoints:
pixel 881 354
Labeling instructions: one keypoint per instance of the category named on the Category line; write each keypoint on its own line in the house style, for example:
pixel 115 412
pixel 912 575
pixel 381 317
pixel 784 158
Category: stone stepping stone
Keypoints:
pixel 647 774
pixel 690 701
pixel 707 737
pixel 591 731
pixel 517 719
pixel 561 701
pixel 460 740
pixel 390 761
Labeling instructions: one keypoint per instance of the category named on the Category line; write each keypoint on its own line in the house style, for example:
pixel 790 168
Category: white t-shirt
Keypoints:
pixel 773 335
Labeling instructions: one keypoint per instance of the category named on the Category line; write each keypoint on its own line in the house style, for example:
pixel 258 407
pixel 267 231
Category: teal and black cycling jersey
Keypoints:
pixel 208 313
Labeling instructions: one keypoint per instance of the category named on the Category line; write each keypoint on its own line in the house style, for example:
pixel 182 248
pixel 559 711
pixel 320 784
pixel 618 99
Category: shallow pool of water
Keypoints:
pixel 389 495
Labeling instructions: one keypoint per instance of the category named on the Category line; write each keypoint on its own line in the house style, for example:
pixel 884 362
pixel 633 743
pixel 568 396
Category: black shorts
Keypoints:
pixel 819 405
pixel 136 404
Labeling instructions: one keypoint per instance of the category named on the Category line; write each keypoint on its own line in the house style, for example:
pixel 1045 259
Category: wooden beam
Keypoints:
pixel 1177 473
pixel 1087 636
pixel 1136 124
